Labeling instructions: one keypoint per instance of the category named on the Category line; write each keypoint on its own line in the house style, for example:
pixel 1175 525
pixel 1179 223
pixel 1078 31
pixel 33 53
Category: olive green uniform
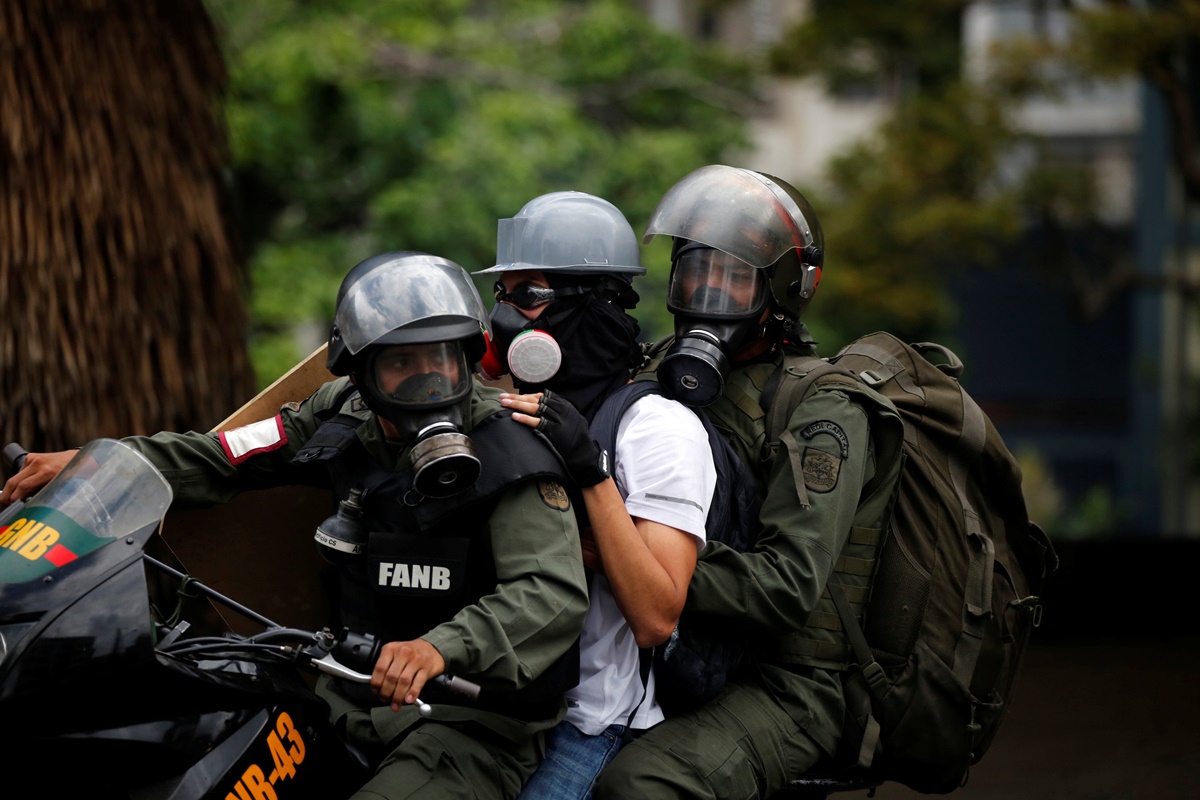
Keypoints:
pixel 783 712
pixel 506 639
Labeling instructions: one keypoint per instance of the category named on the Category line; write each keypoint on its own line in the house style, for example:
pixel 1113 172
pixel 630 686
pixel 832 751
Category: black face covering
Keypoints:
pixel 599 348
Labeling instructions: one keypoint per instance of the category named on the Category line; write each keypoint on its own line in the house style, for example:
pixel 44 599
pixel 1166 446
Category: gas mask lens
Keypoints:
pixel 421 386
pixel 717 301
pixel 422 375
pixel 708 283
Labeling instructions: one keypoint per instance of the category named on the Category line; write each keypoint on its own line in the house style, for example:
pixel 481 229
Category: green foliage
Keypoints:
pixel 1115 39
pixel 855 44
pixel 934 190
pixel 1093 515
pixel 949 180
pixel 907 204
pixel 361 126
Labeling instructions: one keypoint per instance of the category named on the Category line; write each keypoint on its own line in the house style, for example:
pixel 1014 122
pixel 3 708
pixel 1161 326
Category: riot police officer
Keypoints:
pixel 467 556
pixel 747 255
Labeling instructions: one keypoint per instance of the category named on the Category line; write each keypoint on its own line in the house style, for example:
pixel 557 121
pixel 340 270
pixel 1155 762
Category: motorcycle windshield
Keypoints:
pixel 106 492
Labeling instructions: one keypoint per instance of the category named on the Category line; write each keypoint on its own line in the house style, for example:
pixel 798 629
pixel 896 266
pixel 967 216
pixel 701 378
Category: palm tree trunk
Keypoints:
pixel 121 291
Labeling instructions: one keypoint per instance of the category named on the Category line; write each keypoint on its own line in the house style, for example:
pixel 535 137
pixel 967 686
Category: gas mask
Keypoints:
pixel 581 348
pixel 423 390
pixel 718 302
pixel 522 346
pixel 530 354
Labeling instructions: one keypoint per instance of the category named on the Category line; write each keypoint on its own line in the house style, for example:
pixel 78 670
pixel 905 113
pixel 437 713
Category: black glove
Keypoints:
pixel 566 431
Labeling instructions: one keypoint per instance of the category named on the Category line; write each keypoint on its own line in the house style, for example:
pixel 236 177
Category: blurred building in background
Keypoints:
pixel 1094 376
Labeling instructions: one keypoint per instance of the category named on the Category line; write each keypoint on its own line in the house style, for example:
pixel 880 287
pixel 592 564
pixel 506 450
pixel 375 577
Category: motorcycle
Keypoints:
pixel 107 690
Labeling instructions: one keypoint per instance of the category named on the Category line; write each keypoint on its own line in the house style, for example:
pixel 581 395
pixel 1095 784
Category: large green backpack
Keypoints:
pixel 955 592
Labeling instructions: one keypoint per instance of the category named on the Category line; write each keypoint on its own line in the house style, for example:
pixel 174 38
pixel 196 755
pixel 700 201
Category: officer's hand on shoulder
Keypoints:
pixel 560 424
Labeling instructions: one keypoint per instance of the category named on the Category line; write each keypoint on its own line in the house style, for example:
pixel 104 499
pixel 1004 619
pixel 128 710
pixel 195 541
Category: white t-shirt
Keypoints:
pixel 664 469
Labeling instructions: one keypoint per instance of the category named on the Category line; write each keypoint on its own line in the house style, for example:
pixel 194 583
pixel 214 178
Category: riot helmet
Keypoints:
pixel 743 242
pixel 588 254
pixel 411 326
pixel 337 358
pixel 754 217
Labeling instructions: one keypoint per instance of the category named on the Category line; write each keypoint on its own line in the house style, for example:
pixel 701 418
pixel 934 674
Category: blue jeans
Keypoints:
pixel 573 760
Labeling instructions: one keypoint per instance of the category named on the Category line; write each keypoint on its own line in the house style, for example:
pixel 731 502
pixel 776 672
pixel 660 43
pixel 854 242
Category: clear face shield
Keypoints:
pixel 708 283
pixel 412 323
pixel 719 302
pixel 737 211
pixel 428 290
pixel 733 230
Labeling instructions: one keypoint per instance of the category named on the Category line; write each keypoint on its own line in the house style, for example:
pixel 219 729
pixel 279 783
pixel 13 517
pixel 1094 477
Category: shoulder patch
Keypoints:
pixel 821 470
pixel 263 436
pixel 831 429
pixel 293 407
pixel 554 495
pixel 357 404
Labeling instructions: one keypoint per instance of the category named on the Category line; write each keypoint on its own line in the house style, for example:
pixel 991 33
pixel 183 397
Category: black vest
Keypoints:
pixel 428 558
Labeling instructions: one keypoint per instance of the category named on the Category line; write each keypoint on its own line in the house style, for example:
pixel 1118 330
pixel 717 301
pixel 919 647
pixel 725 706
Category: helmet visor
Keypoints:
pixel 390 297
pixel 416 376
pixel 737 211
pixel 710 283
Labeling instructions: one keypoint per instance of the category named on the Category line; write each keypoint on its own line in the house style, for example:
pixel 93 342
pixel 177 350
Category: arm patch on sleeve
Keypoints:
pixel 250 440
pixel 821 468
pixel 554 495
pixel 830 429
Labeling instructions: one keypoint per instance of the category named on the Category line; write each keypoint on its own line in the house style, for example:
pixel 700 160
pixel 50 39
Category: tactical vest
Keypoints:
pixel 740 416
pixel 428 558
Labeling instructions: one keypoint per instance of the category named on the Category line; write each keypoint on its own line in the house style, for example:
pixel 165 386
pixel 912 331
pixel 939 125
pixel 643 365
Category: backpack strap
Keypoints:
pixel 607 419
pixel 872 673
pixel 978 590
pixel 603 428
pixel 645 664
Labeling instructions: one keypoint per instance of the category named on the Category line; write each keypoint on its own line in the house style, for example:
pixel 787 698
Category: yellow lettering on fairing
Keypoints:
pixel 11 532
pixel 286 746
pixel 20 532
pixel 37 545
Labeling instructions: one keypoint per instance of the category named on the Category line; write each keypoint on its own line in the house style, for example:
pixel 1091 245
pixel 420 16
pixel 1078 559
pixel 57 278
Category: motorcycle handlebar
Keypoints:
pixel 348 655
pixel 451 683
pixel 344 655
